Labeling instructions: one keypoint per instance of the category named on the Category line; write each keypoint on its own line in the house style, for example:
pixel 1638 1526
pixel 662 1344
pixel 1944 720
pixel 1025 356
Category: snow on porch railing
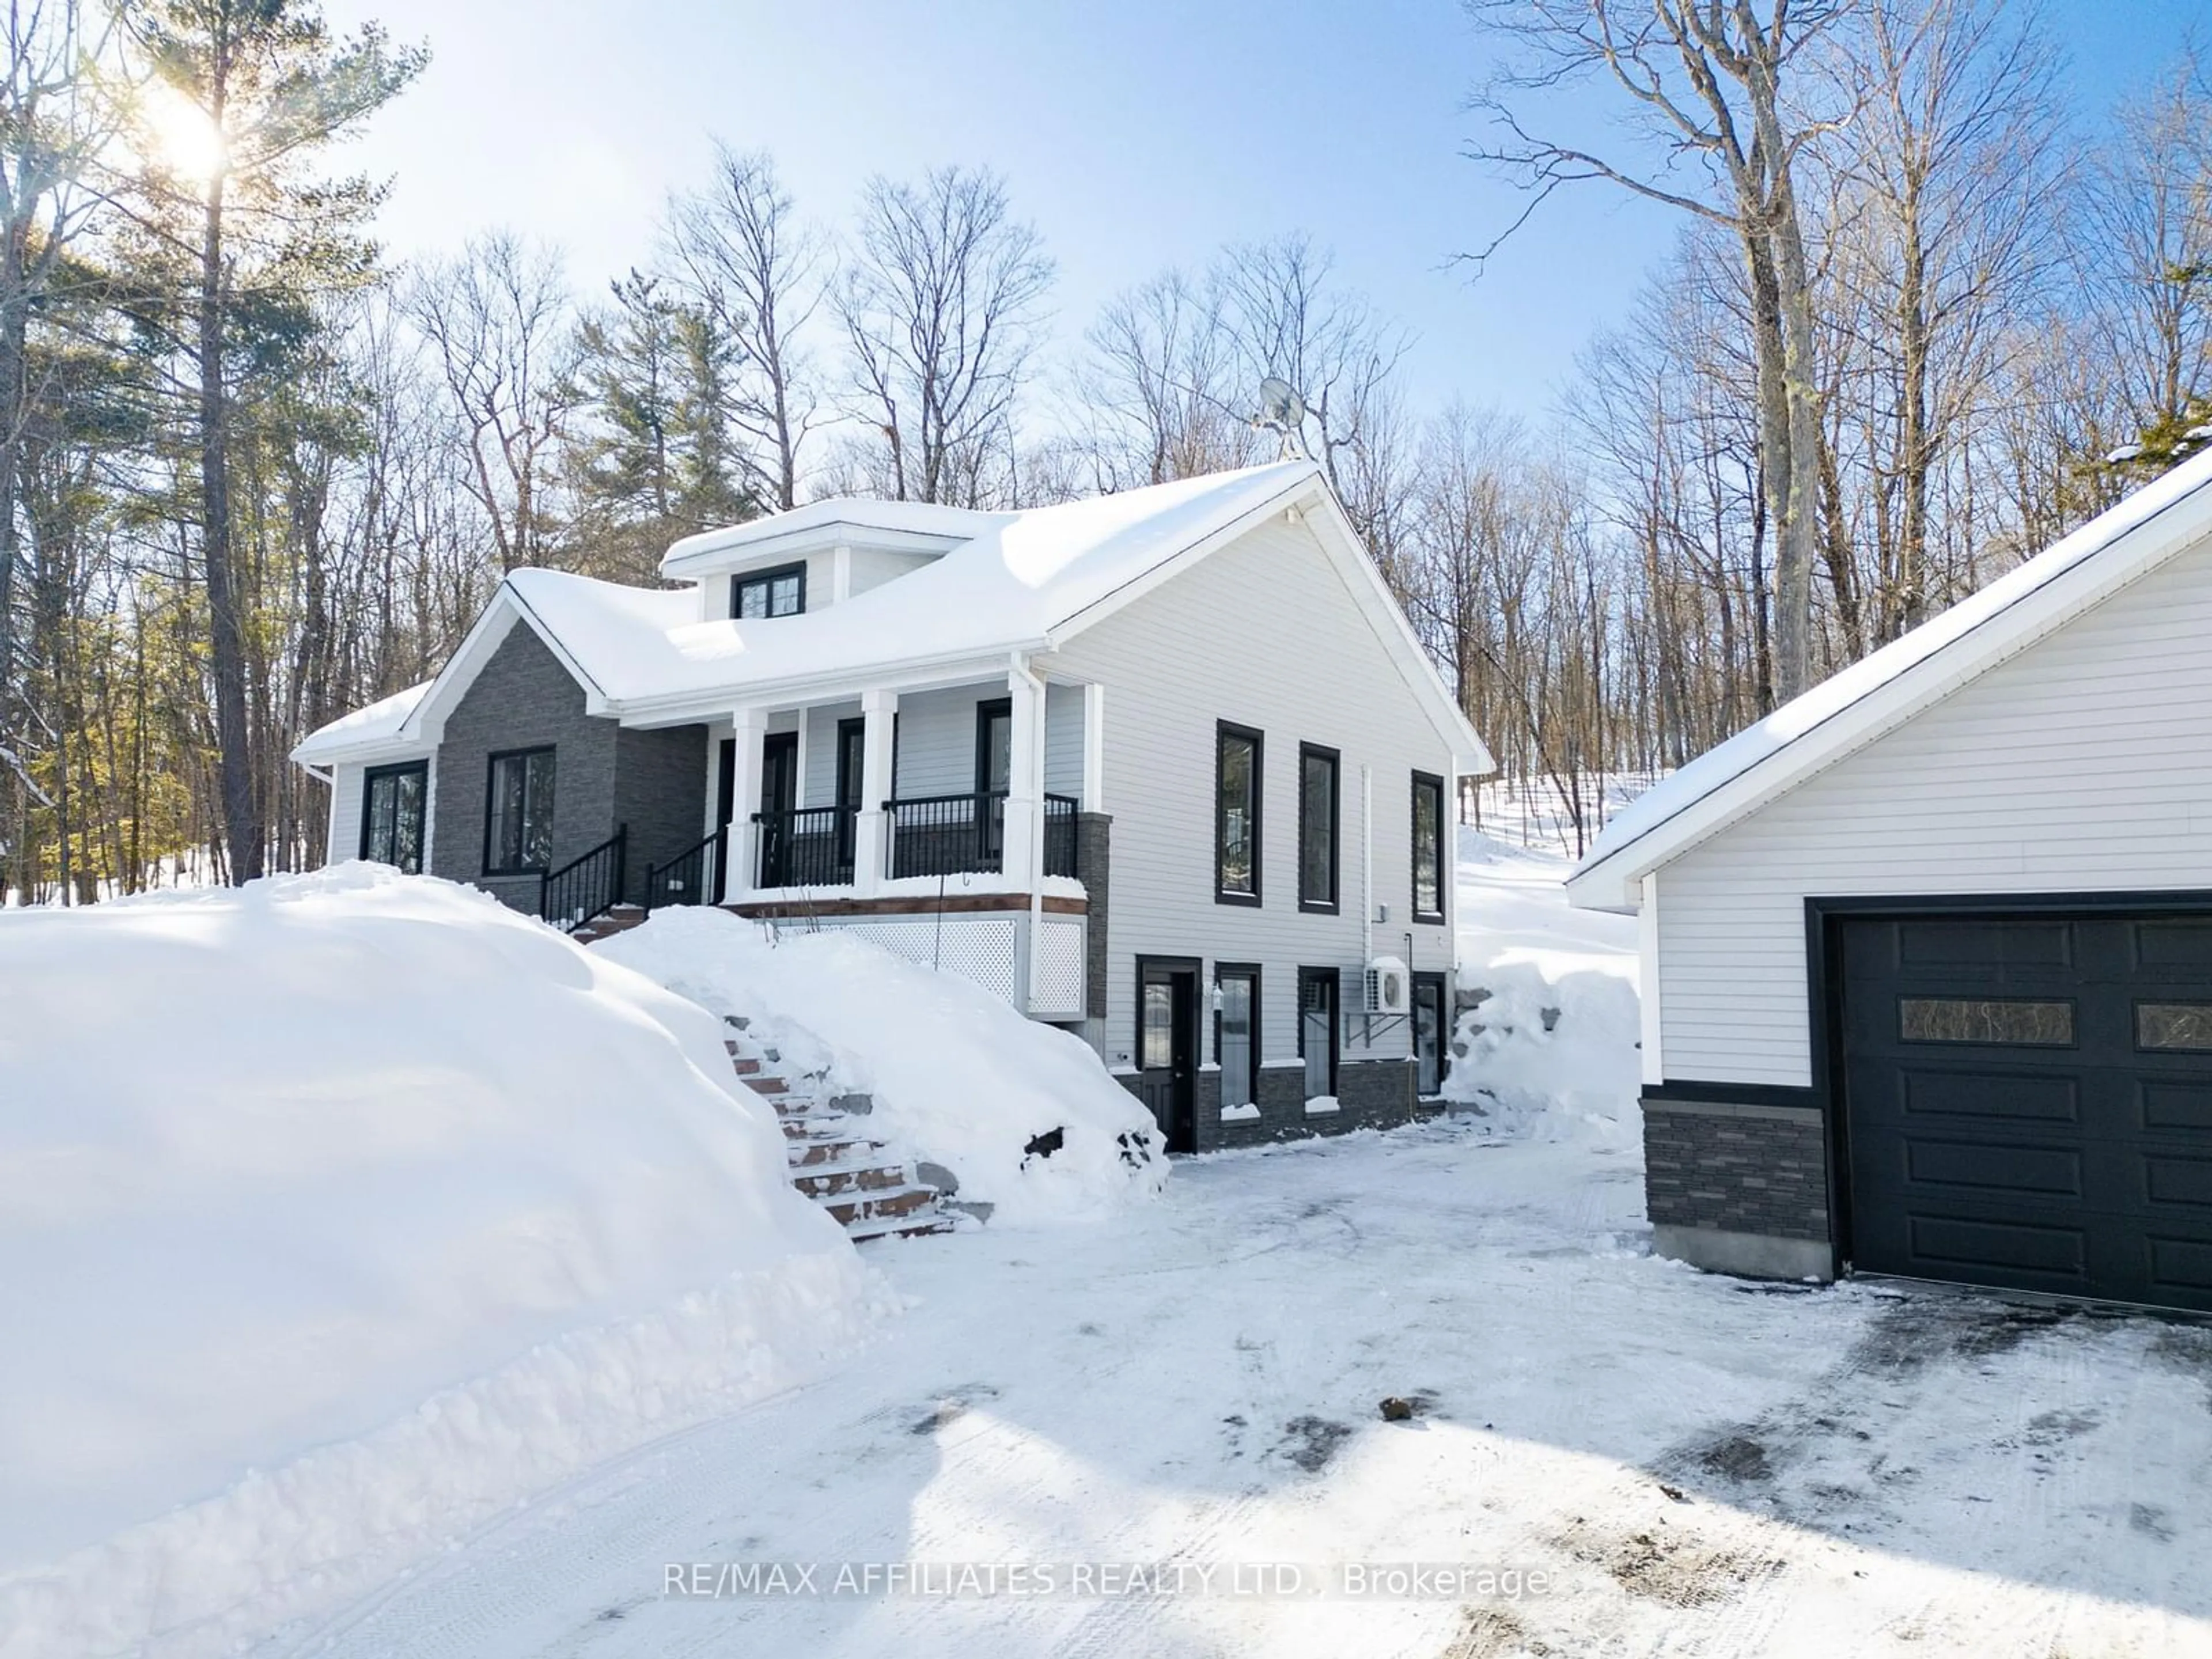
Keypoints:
pixel 959 835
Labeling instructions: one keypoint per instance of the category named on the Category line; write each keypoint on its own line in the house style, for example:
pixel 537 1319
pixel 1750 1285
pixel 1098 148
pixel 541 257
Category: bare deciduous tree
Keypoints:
pixel 747 260
pixel 1159 394
pixel 500 321
pixel 1948 178
pixel 940 303
pixel 1712 83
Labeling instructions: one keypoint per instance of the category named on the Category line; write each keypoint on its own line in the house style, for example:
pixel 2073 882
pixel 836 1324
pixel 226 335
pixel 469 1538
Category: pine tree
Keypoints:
pixel 245 238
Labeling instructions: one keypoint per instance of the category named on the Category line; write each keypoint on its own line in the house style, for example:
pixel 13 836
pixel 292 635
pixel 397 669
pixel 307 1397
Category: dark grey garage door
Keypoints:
pixel 2029 1102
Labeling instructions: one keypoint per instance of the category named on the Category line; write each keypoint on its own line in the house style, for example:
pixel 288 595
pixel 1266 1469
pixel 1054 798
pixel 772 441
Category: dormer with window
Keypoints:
pixel 815 557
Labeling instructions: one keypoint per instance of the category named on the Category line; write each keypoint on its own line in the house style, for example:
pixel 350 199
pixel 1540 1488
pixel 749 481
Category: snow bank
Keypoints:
pixel 1550 1051
pixel 959 1078
pixel 338 1213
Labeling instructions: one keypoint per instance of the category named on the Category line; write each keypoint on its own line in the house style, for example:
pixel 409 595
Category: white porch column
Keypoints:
pixel 872 825
pixel 1094 747
pixel 1023 842
pixel 742 840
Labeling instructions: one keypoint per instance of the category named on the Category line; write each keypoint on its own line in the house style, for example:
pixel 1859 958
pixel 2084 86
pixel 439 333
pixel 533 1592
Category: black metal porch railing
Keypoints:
pixel 946 835
pixel 809 846
pixel 961 834
pixel 1059 835
pixel 584 887
pixel 694 876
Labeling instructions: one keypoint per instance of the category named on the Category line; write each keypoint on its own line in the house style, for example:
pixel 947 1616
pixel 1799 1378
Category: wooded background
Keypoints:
pixel 1920 320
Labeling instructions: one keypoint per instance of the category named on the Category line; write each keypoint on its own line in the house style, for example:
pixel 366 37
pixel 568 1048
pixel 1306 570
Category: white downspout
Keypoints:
pixel 1033 765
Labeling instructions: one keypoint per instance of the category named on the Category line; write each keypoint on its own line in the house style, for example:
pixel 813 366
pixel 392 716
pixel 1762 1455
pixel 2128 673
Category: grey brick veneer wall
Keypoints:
pixel 1715 1168
pixel 654 781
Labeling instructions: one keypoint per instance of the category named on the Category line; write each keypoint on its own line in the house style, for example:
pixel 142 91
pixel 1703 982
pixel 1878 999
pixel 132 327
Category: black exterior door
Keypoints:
pixel 778 798
pixel 1319 1033
pixel 1167 1048
pixel 725 801
pixel 2029 1102
pixel 852 758
pixel 1429 1030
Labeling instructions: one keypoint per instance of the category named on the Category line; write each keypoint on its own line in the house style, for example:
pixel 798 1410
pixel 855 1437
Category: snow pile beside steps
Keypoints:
pixel 1023 1115
pixel 336 1214
pixel 1548 1052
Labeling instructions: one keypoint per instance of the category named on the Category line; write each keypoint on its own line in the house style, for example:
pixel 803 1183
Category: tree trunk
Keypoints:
pixel 1797 522
pixel 226 626
pixel 1914 444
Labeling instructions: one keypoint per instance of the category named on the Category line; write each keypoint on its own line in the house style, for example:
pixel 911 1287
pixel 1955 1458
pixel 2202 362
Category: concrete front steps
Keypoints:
pixel 833 1159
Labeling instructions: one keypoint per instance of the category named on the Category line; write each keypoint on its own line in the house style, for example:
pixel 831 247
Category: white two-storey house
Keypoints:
pixel 1167 768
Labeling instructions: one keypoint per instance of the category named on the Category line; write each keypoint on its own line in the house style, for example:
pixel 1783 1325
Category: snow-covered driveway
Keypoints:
pixel 1702 1466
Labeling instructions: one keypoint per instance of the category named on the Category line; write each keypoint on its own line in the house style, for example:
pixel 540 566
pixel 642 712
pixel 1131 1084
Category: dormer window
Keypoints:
pixel 778 592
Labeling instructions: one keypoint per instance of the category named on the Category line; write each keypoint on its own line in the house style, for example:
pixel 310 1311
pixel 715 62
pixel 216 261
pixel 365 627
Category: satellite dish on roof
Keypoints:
pixel 1282 411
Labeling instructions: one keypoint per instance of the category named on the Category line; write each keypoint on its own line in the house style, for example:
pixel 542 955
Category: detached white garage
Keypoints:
pixel 1928 952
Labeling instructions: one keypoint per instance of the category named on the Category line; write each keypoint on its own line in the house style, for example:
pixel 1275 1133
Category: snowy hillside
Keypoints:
pixel 1549 1050
pixel 339 1212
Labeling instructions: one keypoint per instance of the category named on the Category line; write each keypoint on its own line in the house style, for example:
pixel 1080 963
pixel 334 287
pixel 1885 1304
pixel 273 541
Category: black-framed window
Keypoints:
pixel 1237 1031
pixel 778 592
pixel 518 813
pixel 994 745
pixel 393 805
pixel 1320 811
pixel 852 760
pixel 1428 846
pixel 1318 1033
pixel 1236 778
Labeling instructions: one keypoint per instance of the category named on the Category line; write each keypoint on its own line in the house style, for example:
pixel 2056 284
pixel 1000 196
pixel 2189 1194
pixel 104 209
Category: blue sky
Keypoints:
pixel 1137 135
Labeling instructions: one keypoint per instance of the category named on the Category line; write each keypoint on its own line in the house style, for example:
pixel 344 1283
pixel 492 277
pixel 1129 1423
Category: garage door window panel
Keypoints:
pixel 2014 1022
pixel 2170 1026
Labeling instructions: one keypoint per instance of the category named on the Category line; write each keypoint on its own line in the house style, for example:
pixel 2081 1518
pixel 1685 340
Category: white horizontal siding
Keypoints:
pixel 345 811
pixel 937 740
pixel 870 567
pixel 2083 765
pixel 1263 634
pixel 820 786
pixel 1063 741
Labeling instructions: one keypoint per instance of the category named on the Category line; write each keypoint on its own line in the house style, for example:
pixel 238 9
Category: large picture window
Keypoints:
pixel 778 592
pixel 1428 846
pixel 393 799
pixel 519 816
pixel 1236 814
pixel 1317 821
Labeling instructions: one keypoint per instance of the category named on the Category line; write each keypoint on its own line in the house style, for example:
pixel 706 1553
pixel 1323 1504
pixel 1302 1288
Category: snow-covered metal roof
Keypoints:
pixel 1882 691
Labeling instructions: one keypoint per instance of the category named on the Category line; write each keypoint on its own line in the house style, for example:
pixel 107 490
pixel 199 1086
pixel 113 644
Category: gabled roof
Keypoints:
pixel 1877 694
pixel 1020 582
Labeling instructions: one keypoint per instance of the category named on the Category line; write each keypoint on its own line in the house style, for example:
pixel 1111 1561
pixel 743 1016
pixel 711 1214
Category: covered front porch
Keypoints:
pixel 956 823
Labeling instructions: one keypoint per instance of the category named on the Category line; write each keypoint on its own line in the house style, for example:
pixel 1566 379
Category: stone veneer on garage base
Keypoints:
pixel 1739 1188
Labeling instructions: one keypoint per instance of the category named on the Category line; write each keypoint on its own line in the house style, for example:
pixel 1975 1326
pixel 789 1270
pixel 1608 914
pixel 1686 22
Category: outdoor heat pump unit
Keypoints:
pixel 1389 989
